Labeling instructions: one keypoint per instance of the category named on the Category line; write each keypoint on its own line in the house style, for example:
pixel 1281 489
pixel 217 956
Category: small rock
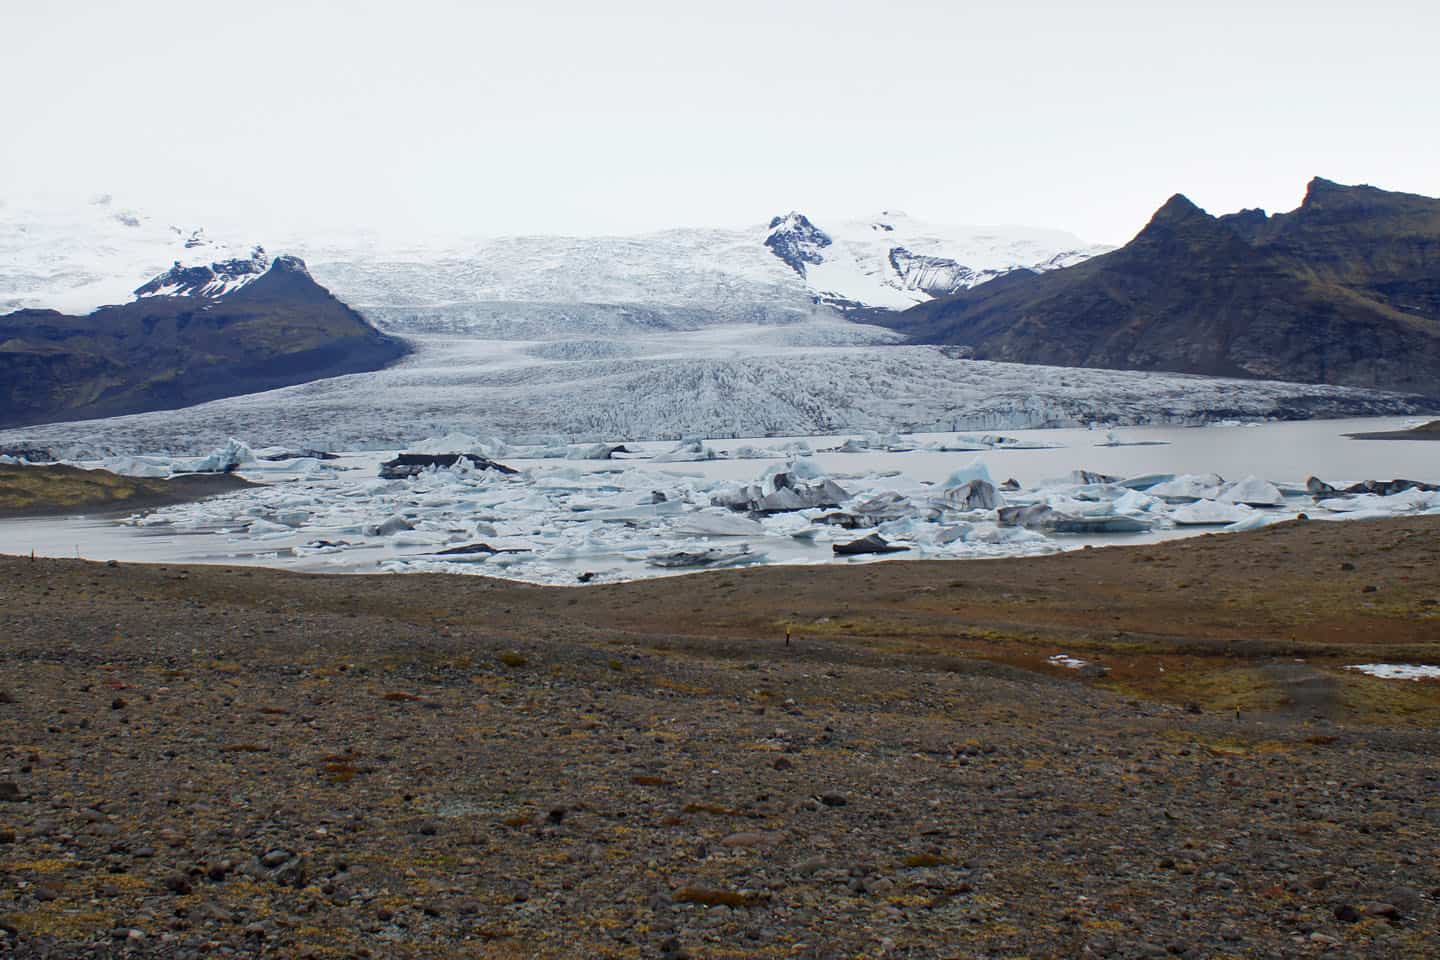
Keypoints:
pixel 747 839
pixel 1347 914
pixel 10 792
pixel 1406 898
pixel 274 859
pixel 43 893
pixel 1387 910
pixel 7 836
pixel 178 883
pixel 832 799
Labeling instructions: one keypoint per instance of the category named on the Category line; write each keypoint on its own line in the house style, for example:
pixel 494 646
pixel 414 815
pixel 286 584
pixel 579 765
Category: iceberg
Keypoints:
pixel 1252 492
pixel 1206 513
pixel 1188 488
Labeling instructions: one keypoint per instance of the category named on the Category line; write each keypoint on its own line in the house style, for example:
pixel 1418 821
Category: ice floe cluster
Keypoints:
pixel 451 504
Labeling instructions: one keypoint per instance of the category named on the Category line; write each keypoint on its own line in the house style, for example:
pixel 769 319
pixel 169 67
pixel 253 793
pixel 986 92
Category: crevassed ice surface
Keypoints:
pixel 733 381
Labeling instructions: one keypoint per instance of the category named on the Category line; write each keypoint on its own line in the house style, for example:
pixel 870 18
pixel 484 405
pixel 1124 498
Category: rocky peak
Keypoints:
pixel 797 241
pixel 1181 222
pixel 214 280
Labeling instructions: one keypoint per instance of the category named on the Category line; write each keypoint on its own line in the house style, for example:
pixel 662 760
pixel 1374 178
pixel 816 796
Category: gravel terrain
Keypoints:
pixel 212 761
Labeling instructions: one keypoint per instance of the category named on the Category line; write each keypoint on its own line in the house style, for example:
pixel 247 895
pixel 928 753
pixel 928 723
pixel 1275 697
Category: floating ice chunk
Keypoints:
pixel 1082 478
pixel 975 470
pixel 1188 488
pixel 789 525
pixel 1398 671
pixel 707 523
pixel 713 557
pixel 461 443
pixel 1146 481
pixel 686 451
pixel 1255 521
pixel 974 494
pixel 1133 501
pixel 800 468
pixel 137 466
pixel 993 534
pixel 1253 492
pixel 226 459
pixel 1210 513
pixel 262 528
pixel 390 525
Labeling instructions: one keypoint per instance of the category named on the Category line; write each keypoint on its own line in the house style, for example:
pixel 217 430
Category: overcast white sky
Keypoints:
pixel 586 117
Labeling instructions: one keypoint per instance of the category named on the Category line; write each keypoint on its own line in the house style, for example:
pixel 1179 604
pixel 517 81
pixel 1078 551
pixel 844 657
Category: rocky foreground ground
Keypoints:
pixel 212 761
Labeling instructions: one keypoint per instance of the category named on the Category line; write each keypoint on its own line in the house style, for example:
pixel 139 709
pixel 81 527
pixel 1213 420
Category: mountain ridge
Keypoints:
pixel 1343 290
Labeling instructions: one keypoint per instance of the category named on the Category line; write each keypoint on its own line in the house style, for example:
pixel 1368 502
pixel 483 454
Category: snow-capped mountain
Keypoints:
pixel 892 261
pixel 78 258
pixel 789 269
pixel 770 272
pixel 209 281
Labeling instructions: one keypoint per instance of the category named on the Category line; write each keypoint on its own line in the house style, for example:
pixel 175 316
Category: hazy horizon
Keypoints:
pixel 454 120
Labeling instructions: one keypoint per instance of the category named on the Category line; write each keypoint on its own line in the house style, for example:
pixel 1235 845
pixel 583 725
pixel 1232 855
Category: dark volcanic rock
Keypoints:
pixel 1343 290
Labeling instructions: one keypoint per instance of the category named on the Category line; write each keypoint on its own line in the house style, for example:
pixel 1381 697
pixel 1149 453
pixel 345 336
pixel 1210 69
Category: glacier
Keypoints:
pixel 730 381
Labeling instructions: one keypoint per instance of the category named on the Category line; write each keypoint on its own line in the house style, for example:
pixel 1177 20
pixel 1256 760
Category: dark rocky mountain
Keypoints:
pixel 193 334
pixel 1343 290
pixel 797 241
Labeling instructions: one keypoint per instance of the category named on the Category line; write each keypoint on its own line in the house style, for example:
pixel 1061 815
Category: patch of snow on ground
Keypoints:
pixel 1397 671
